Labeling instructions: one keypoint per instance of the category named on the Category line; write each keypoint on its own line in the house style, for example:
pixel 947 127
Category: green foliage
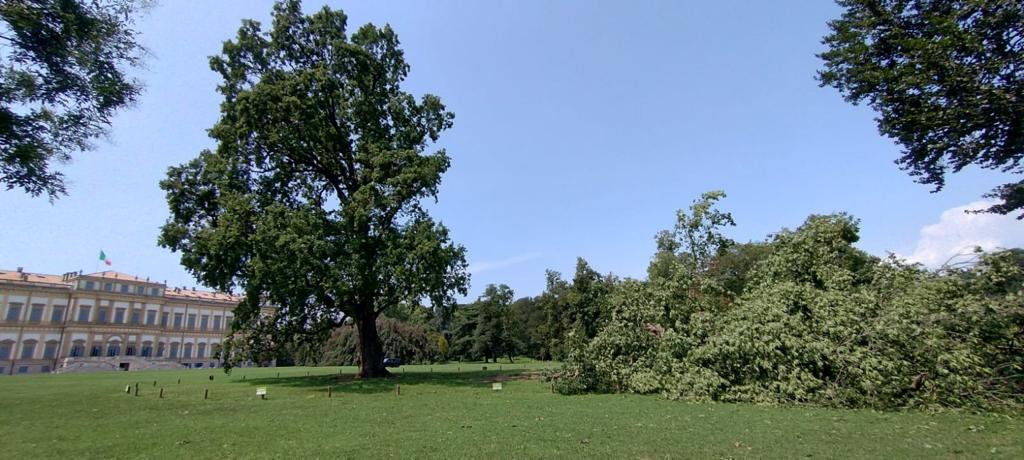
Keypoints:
pixel 486 328
pixel 680 273
pixel 62 79
pixel 945 79
pixel 312 200
pixel 413 344
pixel 818 321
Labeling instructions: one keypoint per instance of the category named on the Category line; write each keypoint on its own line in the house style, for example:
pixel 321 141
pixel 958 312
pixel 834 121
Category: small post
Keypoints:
pixel 154 384
pixel 307 373
pixel 206 393
pixel 278 375
pixel 329 392
pixel 136 390
pixel 161 393
pixel 243 378
pixel 398 390
pixel 179 381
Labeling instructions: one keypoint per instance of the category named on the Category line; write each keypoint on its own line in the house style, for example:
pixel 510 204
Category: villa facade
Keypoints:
pixel 107 320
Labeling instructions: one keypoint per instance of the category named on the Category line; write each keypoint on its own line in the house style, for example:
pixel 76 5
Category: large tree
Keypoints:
pixel 63 77
pixel 946 78
pixel 312 200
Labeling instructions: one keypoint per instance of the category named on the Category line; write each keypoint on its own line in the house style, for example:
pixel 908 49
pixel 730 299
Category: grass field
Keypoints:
pixel 446 411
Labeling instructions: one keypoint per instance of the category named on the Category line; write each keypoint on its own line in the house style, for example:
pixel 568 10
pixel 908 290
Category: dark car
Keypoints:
pixel 392 362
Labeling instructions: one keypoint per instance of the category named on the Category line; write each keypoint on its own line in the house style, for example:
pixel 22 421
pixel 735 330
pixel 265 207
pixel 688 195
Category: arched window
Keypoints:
pixel 160 349
pixel 113 348
pixel 50 350
pixel 201 351
pixel 147 349
pixel 174 349
pixel 188 351
pixel 77 348
pixel 6 349
pixel 28 349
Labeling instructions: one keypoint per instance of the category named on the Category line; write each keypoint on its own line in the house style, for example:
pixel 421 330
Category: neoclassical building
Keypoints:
pixel 107 320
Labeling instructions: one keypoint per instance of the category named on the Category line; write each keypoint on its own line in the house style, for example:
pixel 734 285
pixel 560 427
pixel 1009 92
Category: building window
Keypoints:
pixel 201 351
pixel 204 321
pixel 136 317
pixel 44 369
pixel 140 290
pixel 28 349
pixel 154 291
pixel 36 314
pixel 6 347
pixel 174 349
pixel 58 314
pixel 147 349
pixel 151 317
pixel 101 315
pixel 50 350
pixel 124 288
pixel 163 319
pixel 118 316
pixel 23 370
pixel 187 354
pixel 114 348
pixel 108 286
pixel 95 350
pixel 90 285
pixel 177 320
pixel 83 312
pixel 13 311
pixel 160 350
pixel 129 350
pixel 191 322
pixel 78 349
pixel 216 323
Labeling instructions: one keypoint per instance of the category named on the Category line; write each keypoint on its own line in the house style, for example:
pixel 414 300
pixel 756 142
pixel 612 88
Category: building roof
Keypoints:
pixel 182 293
pixel 121 276
pixel 65 281
pixel 34 278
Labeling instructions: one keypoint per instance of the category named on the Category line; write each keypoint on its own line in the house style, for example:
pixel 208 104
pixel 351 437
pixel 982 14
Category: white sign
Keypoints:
pixel 496 386
pixel 261 391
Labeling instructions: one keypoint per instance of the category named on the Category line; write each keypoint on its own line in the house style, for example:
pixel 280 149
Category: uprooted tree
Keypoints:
pixel 311 200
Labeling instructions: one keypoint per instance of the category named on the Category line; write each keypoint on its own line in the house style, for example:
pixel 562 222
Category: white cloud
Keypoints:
pixel 480 267
pixel 958 231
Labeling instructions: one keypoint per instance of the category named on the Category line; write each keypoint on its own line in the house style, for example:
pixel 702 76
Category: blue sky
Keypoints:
pixel 580 128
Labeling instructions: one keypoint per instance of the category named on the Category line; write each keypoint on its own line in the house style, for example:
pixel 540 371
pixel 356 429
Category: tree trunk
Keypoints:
pixel 371 352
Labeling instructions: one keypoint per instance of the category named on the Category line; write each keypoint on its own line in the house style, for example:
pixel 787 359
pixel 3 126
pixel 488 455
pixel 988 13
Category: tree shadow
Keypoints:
pixel 348 383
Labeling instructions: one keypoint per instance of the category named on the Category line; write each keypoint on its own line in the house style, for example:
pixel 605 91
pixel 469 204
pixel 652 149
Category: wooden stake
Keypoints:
pixel 136 390
pixel 398 390
pixel 154 384
pixel 161 393
pixel 329 391
pixel 206 393
pixel 179 381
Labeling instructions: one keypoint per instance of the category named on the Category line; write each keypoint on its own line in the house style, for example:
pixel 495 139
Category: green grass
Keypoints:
pixel 447 413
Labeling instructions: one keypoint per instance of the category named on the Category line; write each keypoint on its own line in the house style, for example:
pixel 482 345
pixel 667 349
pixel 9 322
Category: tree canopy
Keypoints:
pixel 312 199
pixel 63 67
pixel 946 79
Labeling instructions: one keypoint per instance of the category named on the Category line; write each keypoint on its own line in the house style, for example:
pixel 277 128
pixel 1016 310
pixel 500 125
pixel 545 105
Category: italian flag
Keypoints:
pixel 103 257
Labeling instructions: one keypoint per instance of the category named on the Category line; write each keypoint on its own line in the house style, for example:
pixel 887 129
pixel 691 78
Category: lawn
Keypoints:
pixel 447 411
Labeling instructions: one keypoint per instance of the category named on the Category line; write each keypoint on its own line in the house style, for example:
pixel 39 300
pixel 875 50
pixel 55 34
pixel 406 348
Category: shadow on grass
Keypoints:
pixel 348 383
